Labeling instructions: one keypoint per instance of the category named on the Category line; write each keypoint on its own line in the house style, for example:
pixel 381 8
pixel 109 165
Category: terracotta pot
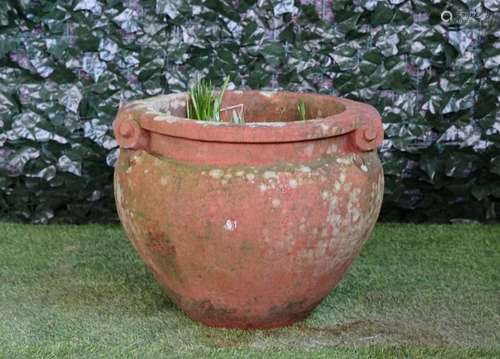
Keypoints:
pixel 249 226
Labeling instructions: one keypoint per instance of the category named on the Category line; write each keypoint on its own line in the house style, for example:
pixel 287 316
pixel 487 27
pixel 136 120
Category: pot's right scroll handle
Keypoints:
pixel 370 135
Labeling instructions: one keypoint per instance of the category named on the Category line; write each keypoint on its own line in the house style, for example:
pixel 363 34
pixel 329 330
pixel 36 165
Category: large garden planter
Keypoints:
pixel 249 225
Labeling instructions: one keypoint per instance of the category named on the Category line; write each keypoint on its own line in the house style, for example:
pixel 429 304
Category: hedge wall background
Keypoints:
pixel 66 64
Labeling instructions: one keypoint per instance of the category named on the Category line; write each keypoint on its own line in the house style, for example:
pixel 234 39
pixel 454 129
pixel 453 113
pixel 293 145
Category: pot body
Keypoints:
pixel 248 235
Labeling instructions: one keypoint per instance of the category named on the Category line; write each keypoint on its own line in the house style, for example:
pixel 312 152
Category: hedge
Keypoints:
pixel 430 67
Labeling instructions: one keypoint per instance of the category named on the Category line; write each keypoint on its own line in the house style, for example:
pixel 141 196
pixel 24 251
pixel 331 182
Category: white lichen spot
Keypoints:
pixel 262 187
pixel 321 248
pixel 342 177
pixel 355 215
pixel 240 173
pixel 336 186
pixel 250 176
pixel 332 217
pixel 165 118
pixel 347 186
pixel 309 150
pixel 230 225
pixel 262 124
pixel 325 195
pixel 269 174
pixel 163 181
pixel 331 149
pixel 292 183
pixel 276 202
pixel 344 160
pixel 119 194
pixel 267 93
pixel 357 192
pixel 212 123
pixel 138 159
pixel 216 173
pixel 305 169
pixel 364 168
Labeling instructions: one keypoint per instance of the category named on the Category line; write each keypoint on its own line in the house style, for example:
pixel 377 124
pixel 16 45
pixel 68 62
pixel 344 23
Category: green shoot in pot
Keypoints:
pixel 204 104
pixel 302 110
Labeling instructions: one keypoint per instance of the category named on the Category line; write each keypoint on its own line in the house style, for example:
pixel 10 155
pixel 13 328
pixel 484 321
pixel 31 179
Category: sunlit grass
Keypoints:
pixel 415 291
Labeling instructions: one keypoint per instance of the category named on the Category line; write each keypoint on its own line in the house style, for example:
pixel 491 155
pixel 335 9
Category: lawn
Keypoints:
pixel 416 291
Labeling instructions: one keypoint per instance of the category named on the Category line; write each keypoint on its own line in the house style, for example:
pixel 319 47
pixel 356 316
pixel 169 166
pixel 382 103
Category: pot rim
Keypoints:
pixel 144 117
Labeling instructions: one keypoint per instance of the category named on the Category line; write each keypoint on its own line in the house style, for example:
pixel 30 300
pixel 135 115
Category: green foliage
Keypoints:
pixel 301 109
pixel 66 65
pixel 204 103
pixel 237 114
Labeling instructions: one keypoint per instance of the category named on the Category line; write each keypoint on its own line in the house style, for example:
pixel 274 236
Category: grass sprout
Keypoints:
pixel 302 110
pixel 236 113
pixel 204 103
pixel 238 118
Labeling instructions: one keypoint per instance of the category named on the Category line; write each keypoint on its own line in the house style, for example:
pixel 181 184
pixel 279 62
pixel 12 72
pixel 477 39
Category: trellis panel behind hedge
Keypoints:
pixel 65 65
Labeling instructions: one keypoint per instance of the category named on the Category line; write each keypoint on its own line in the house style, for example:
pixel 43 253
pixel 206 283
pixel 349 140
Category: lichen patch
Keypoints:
pixel 216 173
pixel 342 177
pixel 269 175
pixel 165 118
pixel 305 169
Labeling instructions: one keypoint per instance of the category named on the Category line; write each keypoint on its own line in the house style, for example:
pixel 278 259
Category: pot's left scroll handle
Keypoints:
pixel 128 132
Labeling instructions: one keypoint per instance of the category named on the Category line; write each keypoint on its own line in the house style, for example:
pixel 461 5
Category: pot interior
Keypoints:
pixel 260 106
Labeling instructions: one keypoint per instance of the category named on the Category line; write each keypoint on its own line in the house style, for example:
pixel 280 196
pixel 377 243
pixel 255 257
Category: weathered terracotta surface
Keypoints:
pixel 249 226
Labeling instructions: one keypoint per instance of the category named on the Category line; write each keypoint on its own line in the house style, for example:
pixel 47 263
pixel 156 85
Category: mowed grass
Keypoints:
pixel 416 291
